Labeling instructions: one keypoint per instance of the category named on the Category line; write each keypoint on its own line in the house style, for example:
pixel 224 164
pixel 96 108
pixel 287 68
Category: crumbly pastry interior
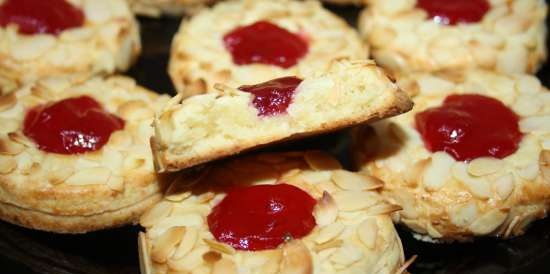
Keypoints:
pixel 199 59
pixel 157 8
pixel 209 126
pixel 83 192
pixel 447 200
pixel 510 38
pixel 354 233
pixel 108 41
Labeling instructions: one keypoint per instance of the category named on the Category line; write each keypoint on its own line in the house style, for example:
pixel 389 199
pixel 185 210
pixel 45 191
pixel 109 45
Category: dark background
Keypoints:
pixel 115 251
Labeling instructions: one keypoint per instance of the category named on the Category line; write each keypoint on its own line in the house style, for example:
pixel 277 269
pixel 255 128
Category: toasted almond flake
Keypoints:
pixel 409 262
pixel 134 110
pixel 8 147
pixel 528 84
pixel 58 175
pixel 488 222
pixel 116 183
pixel 314 177
pixel 329 232
pixel 7 164
pixel 7 101
pixel 221 247
pixel 32 47
pixel 529 172
pixel 296 259
pixel 156 213
pixel 186 220
pixel 187 242
pixel 347 255
pixel 165 244
pixel 382 209
pixel 190 261
pixel 89 176
pixel 211 257
pixel 367 232
pixel 347 180
pixel 321 161
pixel 485 166
pixel 535 123
pixel 437 172
pixel 355 200
pixel 432 231
pixel 412 176
pixel 224 266
pixel 416 225
pixel 334 243
pixel 504 186
pixel 463 215
pixel 145 264
pixel 544 164
pixel 325 210
pixel 477 186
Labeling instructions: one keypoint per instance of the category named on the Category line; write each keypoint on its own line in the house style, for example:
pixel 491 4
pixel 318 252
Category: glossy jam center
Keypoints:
pixel 470 126
pixel 273 97
pixel 265 43
pixel 71 126
pixel 451 12
pixel 262 217
pixel 41 16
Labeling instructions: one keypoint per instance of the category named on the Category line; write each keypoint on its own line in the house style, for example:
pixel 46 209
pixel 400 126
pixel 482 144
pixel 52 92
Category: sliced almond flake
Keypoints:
pixel 485 166
pixel 409 262
pixel 180 220
pixel 433 232
pixel 383 208
pixel 367 232
pixel 529 172
pixel 347 180
pixel 535 123
pixel 7 101
pixel 334 243
pixel 477 186
pixel 165 244
pixel 544 164
pixel 315 177
pixel 116 183
pixel 321 161
pixel 7 164
pixel 211 257
pixel 159 211
pixel 89 176
pixel 145 264
pixel 325 210
pixel 224 266
pixel 221 247
pixel 463 215
pixel 7 147
pixel 504 186
pixel 187 242
pixel 488 222
pixel 190 261
pixel 347 255
pixel 296 258
pixel 329 232
pixel 437 172
pixel 416 225
pixel 355 200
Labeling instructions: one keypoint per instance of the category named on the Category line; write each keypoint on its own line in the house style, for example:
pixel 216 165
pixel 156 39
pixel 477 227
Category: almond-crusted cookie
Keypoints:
pixel 199 57
pixel 225 122
pixel 444 199
pixel 75 193
pixel 156 8
pixel 108 41
pixel 353 231
pixel 509 38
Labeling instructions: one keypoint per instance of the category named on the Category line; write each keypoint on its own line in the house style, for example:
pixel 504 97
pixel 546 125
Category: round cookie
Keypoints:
pixel 199 58
pixel 444 199
pixel 156 8
pixel 76 193
pixel 510 36
pixel 353 231
pixel 107 41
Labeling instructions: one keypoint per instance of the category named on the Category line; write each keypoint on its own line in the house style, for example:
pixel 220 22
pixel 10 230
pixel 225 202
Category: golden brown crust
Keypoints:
pixel 510 38
pixel 107 42
pixel 347 94
pixel 199 60
pixel 354 231
pixel 83 192
pixel 157 8
pixel 446 200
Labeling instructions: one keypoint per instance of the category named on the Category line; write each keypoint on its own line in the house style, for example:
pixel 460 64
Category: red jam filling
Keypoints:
pixel 470 126
pixel 452 12
pixel 262 217
pixel 273 97
pixel 41 16
pixel 265 43
pixel 71 126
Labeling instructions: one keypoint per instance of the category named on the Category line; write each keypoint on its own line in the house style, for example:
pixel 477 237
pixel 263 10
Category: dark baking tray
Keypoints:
pixel 115 251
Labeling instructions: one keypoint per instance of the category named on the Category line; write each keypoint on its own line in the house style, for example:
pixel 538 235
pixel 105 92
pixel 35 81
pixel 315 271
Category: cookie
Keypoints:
pixel 349 229
pixel 229 120
pixel 76 157
pixel 430 35
pixel 220 44
pixel 72 39
pixel 157 8
pixel 483 171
